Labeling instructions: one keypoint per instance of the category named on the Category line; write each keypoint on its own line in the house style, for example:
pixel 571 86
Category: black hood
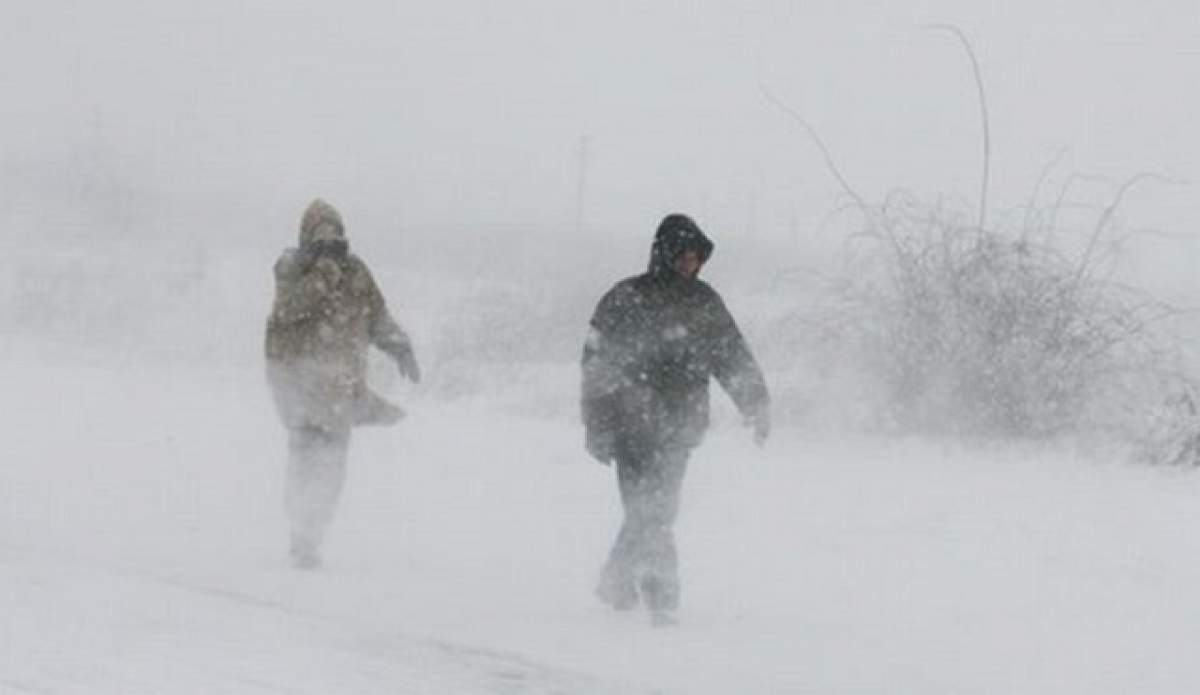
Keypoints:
pixel 676 234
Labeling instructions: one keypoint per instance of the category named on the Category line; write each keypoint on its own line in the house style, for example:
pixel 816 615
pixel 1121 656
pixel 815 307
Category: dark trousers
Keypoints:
pixel 650 478
pixel 316 472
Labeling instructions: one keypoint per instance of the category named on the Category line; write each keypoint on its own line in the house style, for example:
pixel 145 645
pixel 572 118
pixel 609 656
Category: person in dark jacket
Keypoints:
pixel 655 340
pixel 327 311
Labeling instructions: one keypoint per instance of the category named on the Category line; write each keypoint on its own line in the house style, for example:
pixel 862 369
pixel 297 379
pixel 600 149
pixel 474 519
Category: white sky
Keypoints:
pixel 437 116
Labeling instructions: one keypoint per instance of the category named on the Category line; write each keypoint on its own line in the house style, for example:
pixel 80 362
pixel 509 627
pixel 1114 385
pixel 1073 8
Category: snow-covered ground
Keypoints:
pixel 142 551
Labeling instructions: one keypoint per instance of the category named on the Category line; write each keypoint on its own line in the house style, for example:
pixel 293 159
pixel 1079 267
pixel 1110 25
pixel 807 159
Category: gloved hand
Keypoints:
pixel 601 445
pixel 761 422
pixel 406 361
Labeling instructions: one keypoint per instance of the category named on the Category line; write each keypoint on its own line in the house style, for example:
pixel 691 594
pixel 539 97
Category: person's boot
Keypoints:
pixel 304 555
pixel 661 600
pixel 617 591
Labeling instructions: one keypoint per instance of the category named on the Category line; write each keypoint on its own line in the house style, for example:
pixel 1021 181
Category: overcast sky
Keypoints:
pixel 449 115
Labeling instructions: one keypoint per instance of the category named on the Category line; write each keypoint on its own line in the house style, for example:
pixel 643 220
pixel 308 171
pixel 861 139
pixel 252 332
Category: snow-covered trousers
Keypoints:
pixel 316 472
pixel 650 479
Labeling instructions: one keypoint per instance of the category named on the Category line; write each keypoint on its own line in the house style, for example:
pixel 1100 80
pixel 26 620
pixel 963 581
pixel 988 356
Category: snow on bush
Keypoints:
pixel 998 331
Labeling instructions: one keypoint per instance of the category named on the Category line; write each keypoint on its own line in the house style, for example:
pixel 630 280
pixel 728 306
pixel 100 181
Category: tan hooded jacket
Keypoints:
pixel 327 311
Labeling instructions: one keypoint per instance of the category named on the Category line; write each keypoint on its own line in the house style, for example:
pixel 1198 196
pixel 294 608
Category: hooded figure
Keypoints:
pixel 327 311
pixel 655 340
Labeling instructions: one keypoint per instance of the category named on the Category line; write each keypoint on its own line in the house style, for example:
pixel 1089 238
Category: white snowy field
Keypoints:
pixel 142 551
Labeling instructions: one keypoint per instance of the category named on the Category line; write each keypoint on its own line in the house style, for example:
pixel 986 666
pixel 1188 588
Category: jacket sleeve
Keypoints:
pixel 603 367
pixel 734 365
pixel 299 302
pixel 298 294
pixel 383 330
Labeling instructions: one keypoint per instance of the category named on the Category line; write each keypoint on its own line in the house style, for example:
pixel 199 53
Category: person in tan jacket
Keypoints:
pixel 326 313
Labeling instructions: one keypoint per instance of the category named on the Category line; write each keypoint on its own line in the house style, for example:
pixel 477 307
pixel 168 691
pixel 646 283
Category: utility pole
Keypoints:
pixel 581 186
pixel 752 212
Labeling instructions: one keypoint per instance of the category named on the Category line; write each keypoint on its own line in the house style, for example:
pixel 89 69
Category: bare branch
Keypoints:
pixel 983 111
pixel 1037 190
pixel 812 133
pixel 1105 218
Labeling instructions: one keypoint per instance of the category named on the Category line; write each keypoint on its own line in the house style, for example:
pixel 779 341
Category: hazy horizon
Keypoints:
pixel 433 119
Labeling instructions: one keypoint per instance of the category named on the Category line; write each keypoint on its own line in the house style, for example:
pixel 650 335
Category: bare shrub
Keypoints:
pixel 968 326
pixel 1170 432
pixel 996 331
